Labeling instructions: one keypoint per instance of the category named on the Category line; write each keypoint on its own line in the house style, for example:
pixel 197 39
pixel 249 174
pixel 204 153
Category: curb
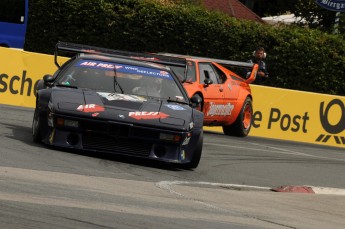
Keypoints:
pixel 309 190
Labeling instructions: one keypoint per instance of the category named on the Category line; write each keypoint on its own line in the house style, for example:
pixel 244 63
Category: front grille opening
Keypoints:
pixel 132 147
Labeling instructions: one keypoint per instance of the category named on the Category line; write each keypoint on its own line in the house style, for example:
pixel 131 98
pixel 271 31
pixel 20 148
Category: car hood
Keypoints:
pixel 121 108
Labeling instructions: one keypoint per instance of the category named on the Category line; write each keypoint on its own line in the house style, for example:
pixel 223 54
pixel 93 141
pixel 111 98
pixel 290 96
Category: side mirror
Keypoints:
pixel 208 82
pixel 196 100
pixel 48 79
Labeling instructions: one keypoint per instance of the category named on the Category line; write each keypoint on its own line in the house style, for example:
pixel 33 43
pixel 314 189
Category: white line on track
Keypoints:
pixel 274 150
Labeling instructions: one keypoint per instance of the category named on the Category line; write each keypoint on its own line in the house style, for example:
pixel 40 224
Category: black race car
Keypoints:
pixel 103 101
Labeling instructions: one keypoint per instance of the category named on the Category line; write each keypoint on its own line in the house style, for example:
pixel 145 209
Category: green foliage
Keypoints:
pixel 298 58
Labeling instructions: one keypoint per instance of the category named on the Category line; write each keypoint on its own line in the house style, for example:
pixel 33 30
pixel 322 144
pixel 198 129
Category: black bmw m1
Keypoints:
pixel 104 101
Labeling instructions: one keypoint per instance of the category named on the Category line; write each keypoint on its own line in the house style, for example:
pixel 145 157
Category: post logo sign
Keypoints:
pixel 333 129
pixel 334 5
pixel 298 116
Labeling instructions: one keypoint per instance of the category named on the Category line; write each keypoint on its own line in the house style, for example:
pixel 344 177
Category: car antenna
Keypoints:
pixel 116 82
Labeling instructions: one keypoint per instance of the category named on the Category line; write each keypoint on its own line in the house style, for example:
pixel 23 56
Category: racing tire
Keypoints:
pixel 36 127
pixel 196 154
pixel 243 123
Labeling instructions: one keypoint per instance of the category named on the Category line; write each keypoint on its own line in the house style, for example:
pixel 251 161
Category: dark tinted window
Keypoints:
pixel 12 11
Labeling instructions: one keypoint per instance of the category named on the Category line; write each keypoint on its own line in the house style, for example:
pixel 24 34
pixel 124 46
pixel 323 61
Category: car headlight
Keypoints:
pixel 67 122
pixel 170 137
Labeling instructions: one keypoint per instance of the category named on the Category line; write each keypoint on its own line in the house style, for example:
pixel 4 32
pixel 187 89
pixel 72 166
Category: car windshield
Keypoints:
pixel 105 76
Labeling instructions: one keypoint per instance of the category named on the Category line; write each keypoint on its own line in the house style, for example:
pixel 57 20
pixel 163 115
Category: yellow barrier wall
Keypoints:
pixel 19 73
pixel 278 113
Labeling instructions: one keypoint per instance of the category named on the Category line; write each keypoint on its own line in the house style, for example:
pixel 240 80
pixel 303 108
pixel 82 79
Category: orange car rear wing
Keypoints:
pixel 219 61
pixel 148 57
pixel 225 63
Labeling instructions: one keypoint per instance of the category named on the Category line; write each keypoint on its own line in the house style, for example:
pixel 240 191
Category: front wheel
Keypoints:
pixel 36 127
pixel 196 154
pixel 243 123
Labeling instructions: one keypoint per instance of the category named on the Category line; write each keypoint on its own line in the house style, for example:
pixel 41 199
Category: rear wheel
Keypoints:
pixel 196 154
pixel 243 123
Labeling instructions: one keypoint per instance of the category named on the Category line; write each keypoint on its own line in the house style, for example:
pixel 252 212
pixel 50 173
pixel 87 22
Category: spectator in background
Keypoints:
pixel 258 55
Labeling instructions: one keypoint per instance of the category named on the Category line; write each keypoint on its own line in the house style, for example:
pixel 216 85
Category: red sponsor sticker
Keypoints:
pixel 147 115
pixel 87 108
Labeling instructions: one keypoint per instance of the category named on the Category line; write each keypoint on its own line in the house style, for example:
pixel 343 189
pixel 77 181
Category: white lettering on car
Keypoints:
pixel 220 109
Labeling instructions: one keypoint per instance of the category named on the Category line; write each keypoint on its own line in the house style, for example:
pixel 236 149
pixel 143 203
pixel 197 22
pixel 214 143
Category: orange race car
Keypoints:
pixel 225 96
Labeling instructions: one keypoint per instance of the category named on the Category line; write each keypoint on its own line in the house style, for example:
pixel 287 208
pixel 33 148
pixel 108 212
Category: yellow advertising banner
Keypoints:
pixel 19 74
pixel 299 116
pixel 278 113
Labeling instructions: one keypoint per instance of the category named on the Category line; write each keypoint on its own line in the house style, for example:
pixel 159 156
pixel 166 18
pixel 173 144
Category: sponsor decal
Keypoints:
pixel 90 108
pixel 219 109
pixel 229 86
pixel 95 114
pixel 51 137
pixel 191 125
pixel 333 130
pixel 183 155
pixel 147 115
pixel 18 85
pixel 287 122
pixel 98 64
pixel 116 96
pixel 175 107
pixel 186 140
pixel 124 68
pixel 334 5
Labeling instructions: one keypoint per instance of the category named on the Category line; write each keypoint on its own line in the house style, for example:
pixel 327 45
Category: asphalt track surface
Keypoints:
pixel 44 187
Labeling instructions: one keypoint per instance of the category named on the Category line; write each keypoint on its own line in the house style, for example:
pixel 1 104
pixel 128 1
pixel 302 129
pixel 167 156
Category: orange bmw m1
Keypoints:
pixel 222 87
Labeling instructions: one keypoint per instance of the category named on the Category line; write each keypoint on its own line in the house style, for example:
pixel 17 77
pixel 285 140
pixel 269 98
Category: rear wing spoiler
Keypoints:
pixel 219 61
pixel 225 63
pixel 148 57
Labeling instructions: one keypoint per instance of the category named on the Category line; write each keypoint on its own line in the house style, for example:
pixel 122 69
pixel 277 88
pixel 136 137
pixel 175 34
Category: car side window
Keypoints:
pixel 191 75
pixel 206 71
pixel 220 75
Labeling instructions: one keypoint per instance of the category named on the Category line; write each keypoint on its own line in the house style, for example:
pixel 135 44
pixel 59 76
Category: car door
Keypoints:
pixel 215 109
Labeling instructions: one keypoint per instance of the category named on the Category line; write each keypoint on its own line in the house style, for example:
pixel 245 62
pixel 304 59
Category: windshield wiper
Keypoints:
pixel 66 85
pixel 116 82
